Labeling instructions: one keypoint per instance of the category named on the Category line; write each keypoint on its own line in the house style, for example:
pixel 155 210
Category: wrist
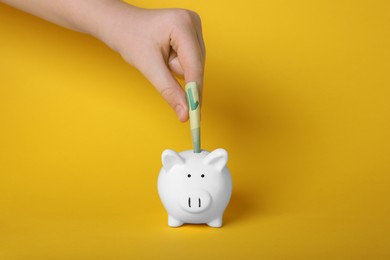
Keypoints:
pixel 108 21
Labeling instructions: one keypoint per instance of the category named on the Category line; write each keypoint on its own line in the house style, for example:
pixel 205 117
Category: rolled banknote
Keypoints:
pixel 192 95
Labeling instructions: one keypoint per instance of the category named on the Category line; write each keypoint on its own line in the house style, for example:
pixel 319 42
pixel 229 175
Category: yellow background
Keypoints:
pixel 298 92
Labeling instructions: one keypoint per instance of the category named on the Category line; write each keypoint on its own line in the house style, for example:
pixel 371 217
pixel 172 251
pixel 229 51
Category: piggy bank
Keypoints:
pixel 195 187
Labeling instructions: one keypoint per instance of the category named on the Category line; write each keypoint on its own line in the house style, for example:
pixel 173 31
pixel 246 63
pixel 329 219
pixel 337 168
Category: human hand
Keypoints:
pixel 158 42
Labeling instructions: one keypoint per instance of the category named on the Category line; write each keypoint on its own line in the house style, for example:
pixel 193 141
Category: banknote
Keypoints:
pixel 192 95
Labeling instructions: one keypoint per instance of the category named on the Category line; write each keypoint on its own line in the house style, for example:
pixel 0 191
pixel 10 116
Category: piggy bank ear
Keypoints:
pixel 171 158
pixel 218 158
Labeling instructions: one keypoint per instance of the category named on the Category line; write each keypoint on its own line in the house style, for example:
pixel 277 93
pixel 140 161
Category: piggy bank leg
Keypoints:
pixel 172 222
pixel 215 222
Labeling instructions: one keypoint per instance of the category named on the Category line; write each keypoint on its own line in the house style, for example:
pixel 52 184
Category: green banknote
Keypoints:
pixel 192 95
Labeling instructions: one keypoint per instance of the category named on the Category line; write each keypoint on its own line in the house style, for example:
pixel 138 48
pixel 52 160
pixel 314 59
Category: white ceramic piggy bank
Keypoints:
pixel 195 187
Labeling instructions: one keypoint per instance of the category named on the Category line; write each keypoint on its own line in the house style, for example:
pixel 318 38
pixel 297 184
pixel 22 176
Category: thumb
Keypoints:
pixel 165 83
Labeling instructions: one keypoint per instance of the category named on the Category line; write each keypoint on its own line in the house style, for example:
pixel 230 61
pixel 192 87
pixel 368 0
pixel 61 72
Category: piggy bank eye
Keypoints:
pixel 189 175
pixel 202 175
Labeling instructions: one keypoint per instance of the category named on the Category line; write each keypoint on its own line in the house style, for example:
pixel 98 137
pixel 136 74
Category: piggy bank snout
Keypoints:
pixel 195 201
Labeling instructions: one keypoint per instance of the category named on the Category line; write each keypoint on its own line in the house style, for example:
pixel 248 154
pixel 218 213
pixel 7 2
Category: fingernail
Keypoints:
pixel 180 111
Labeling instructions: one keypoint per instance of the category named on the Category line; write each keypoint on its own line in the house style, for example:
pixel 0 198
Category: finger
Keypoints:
pixel 174 64
pixel 160 76
pixel 203 48
pixel 199 33
pixel 189 53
